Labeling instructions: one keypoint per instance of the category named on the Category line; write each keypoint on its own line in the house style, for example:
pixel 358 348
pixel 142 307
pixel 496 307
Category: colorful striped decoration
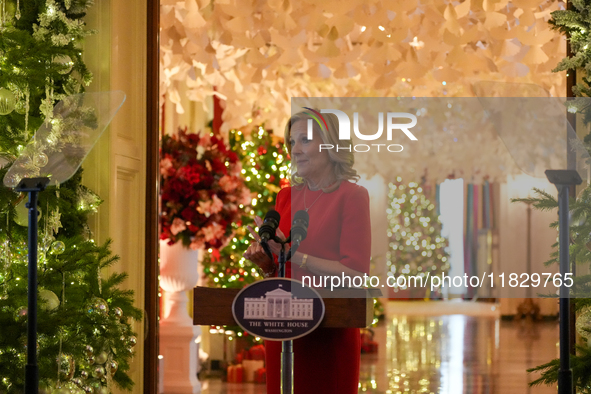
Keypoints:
pixel 479 214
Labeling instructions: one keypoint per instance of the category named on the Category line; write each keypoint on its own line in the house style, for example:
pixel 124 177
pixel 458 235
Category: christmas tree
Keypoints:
pixel 416 246
pixel 85 340
pixel 265 169
pixel 575 23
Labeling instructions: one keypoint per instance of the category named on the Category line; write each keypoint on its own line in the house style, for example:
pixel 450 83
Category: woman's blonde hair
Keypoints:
pixel 342 158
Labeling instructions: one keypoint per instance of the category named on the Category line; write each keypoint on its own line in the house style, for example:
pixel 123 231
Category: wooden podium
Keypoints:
pixel 343 307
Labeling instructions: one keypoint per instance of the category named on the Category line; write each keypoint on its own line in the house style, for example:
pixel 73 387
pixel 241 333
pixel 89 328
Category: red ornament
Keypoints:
pixel 215 255
pixel 260 375
pixel 257 352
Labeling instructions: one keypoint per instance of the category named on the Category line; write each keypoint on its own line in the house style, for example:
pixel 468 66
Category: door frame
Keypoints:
pixel 151 305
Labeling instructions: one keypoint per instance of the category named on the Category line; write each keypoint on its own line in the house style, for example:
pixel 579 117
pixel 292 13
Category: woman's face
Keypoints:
pixel 312 164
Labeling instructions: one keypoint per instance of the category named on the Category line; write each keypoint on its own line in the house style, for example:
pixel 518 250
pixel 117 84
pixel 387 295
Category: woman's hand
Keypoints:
pixel 257 255
pixel 256 252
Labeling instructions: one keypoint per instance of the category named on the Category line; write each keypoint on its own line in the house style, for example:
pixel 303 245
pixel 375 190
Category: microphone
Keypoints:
pixel 269 227
pixel 299 229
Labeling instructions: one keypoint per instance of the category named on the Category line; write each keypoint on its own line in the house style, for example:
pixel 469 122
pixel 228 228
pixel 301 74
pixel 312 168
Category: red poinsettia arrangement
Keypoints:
pixel 202 190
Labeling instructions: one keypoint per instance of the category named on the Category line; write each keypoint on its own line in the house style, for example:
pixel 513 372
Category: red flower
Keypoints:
pixel 190 174
pixel 218 166
pixel 191 168
pixel 189 214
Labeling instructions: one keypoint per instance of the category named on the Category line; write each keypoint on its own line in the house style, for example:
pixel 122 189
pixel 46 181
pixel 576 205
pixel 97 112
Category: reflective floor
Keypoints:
pixel 452 354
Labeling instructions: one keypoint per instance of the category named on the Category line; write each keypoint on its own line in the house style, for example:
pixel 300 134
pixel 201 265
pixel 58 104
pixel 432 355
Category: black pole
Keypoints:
pixel 32 370
pixel 33 186
pixel 286 346
pixel 571 157
pixel 563 179
pixel 287 355
pixel 565 374
pixel 287 367
pixel 282 261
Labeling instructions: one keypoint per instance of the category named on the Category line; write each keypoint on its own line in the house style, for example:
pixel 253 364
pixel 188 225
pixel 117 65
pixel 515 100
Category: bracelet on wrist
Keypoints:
pixel 304 261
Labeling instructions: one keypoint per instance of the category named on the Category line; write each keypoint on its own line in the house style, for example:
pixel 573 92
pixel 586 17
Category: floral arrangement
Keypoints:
pixel 202 190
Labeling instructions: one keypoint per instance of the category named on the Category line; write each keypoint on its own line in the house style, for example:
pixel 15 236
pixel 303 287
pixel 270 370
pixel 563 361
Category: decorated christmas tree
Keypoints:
pixel 416 246
pixel 85 340
pixel 574 22
pixel 265 170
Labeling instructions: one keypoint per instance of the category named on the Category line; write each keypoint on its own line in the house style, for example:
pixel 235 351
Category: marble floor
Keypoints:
pixel 450 349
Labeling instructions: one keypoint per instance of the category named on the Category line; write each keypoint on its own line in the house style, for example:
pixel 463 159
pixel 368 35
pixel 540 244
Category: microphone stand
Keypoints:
pixel 287 346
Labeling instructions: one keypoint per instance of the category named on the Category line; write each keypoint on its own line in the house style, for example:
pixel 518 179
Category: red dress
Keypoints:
pixel 327 360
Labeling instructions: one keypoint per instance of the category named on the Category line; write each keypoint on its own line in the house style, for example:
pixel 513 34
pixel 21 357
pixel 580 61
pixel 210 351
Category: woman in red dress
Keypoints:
pixel 326 361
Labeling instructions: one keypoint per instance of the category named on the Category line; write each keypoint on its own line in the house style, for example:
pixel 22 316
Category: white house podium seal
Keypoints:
pixel 278 309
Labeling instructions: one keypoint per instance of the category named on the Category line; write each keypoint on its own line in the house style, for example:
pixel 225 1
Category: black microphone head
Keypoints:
pixel 299 229
pixel 270 225
pixel 302 216
pixel 272 214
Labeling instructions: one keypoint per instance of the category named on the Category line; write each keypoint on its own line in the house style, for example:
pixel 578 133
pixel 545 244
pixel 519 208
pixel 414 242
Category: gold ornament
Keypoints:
pixel 7 101
pixel 102 357
pixel 114 365
pixel 65 63
pixel 98 372
pixel 89 350
pixel 98 305
pixel 50 301
pixel 118 312
pixel 58 247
